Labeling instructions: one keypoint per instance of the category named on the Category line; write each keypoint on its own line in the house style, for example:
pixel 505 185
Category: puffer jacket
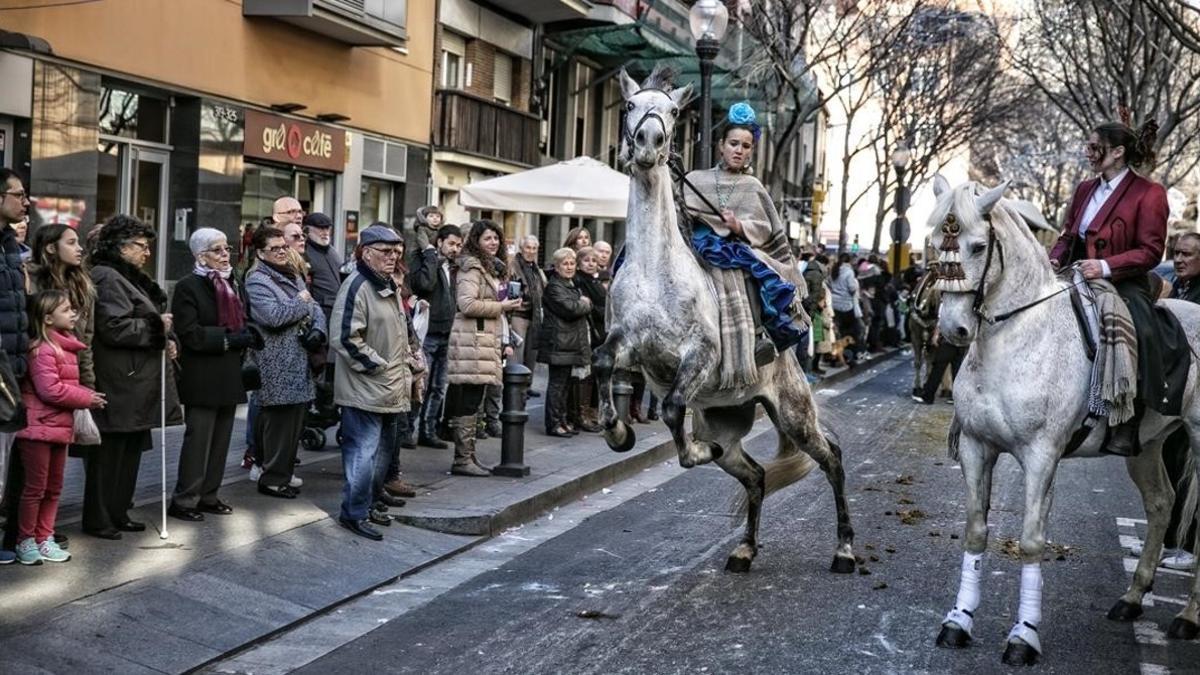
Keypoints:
pixel 371 341
pixel 282 361
pixel 85 328
pixel 565 333
pixel 14 322
pixel 477 337
pixel 52 392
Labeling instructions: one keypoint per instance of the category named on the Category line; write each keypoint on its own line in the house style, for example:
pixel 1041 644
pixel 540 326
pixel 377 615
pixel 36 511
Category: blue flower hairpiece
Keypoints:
pixel 742 114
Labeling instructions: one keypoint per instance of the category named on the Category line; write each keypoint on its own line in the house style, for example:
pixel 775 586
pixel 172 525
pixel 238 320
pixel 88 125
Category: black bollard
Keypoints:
pixel 513 417
pixel 622 394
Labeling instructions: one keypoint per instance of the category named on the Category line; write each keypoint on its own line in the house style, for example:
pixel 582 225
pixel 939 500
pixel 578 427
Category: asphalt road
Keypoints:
pixel 640 587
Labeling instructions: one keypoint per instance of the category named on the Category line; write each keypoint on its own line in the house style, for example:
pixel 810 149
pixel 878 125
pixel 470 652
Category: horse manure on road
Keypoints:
pixel 911 516
pixel 879 586
pixel 905 479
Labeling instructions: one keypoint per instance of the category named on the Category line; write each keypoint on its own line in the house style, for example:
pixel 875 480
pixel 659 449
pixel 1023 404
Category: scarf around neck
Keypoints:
pixel 231 314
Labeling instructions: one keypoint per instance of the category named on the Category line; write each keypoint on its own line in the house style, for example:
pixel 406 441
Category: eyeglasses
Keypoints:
pixel 389 252
pixel 21 195
pixel 295 237
pixel 140 244
pixel 220 250
pixel 276 250
pixel 291 212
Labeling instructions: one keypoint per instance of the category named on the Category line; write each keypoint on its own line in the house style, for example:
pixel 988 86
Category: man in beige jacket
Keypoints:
pixel 372 378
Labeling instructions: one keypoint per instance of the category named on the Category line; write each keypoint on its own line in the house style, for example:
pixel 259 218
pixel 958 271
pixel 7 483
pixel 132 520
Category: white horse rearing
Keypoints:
pixel 1023 390
pixel 665 323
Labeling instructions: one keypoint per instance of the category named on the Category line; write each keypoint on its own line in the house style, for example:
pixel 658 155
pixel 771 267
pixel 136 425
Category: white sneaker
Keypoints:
pixel 255 473
pixel 295 481
pixel 1182 561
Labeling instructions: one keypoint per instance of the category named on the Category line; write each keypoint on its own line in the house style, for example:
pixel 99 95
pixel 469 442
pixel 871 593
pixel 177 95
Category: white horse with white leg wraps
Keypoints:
pixel 1023 389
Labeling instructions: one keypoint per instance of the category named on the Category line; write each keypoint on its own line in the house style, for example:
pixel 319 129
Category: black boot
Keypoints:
pixel 1123 440
pixel 817 369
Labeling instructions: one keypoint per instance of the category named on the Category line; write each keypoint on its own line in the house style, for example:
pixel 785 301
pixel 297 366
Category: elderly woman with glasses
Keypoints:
pixel 210 321
pixel 290 321
pixel 133 329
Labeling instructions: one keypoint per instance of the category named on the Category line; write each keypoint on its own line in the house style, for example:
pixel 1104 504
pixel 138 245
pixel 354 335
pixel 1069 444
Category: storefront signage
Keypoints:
pixel 293 142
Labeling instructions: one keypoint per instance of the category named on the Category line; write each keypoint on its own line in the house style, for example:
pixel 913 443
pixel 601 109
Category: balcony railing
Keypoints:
pixel 473 125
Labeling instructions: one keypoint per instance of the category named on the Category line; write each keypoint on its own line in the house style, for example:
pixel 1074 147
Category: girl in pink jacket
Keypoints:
pixel 51 395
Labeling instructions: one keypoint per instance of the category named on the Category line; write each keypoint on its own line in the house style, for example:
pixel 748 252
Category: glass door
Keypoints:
pixel 148 200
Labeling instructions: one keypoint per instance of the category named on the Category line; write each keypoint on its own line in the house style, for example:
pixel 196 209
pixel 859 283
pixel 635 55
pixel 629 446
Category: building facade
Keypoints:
pixel 209 110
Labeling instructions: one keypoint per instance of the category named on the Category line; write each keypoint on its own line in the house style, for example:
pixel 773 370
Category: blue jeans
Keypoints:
pixel 437 356
pixel 368 442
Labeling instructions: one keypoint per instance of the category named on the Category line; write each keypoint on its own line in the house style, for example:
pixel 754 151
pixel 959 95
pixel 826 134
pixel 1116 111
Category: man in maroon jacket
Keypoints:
pixel 1116 229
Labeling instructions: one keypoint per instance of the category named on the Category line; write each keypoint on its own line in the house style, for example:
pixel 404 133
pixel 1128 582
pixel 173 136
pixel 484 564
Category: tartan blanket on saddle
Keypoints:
pixel 1113 386
pixel 727 263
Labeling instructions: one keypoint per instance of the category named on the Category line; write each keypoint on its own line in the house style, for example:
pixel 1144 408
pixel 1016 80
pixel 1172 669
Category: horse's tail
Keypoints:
pixel 1188 490
pixel 789 466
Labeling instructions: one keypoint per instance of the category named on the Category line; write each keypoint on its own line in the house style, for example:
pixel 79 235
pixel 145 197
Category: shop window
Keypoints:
pixel 131 115
pixel 376 203
pixel 261 186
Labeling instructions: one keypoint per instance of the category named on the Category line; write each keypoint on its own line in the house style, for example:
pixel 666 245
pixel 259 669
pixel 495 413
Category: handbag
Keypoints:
pixel 251 375
pixel 86 431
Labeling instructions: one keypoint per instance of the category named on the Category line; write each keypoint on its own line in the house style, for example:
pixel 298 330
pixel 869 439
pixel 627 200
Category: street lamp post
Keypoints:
pixel 708 20
pixel 900 229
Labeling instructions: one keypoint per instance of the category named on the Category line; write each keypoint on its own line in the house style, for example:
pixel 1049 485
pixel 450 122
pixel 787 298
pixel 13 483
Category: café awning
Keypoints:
pixel 580 187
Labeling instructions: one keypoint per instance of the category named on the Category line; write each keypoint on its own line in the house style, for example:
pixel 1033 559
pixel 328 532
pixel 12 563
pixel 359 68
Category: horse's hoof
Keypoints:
pixel 1124 611
pixel 737 565
pixel 842 565
pixel 620 437
pixel 1182 629
pixel 1020 654
pixel 953 637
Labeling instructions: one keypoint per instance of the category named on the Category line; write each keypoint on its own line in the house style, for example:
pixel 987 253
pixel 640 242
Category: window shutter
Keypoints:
pixel 454 43
pixel 502 78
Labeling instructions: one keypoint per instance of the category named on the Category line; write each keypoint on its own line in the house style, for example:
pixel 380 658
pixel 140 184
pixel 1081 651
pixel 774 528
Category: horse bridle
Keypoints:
pixel 952 279
pixel 950 271
pixel 651 113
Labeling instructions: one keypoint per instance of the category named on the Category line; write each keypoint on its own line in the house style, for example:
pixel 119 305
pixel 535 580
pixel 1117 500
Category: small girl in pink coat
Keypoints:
pixel 51 395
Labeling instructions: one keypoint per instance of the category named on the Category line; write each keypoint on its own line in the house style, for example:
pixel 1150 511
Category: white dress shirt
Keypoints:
pixel 1096 202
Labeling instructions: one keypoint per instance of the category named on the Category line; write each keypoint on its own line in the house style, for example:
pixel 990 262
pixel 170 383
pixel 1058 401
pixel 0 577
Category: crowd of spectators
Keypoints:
pixel 399 349
pixel 857 306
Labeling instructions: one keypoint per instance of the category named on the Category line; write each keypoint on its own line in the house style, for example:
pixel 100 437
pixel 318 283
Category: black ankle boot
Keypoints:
pixel 764 352
pixel 1122 440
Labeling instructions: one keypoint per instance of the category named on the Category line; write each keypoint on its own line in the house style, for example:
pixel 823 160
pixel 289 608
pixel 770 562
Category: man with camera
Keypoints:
pixel 432 280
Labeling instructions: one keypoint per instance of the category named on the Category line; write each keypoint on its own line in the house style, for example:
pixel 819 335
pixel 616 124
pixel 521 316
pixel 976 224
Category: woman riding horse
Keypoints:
pixel 1115 229
pixel 745 214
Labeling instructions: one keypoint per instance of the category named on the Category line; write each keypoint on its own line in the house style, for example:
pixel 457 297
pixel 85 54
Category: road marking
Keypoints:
pixel 1130 522
pixel 1131 567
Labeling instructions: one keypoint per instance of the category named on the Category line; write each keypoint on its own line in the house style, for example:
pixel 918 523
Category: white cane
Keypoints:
pixel 163 440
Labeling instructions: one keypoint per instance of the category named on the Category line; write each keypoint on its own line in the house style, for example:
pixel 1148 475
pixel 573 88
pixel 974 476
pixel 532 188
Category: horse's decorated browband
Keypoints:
pixel 950 271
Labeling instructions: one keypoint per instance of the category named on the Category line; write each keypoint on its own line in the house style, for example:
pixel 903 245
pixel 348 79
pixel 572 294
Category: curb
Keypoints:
pixel 529 508
pixel 532 506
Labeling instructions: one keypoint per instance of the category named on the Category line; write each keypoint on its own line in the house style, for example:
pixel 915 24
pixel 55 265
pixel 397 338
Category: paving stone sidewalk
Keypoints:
pixel 147 604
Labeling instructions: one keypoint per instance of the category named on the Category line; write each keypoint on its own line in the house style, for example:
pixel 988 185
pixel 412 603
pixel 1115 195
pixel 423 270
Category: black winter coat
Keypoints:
pixel 14 321
pixel 565 336
pixel 598 294
pixel 128 350
pixel 429 283
pixel 209 374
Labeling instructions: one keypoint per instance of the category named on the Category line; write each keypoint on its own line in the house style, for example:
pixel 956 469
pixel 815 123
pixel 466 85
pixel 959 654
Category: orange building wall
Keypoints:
pixel 207 45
